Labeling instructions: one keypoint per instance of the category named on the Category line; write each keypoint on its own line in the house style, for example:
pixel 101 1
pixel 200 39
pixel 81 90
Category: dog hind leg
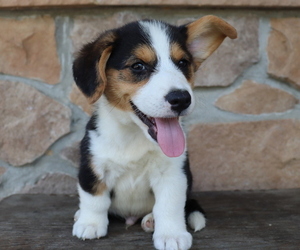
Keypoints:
pixel 148 223
pixel 195 215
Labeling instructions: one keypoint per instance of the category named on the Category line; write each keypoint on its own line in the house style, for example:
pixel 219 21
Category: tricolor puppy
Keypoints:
pixel 133 156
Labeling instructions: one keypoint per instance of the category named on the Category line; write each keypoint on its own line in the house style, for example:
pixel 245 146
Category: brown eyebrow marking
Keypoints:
pixel 145 53
pixel 177 53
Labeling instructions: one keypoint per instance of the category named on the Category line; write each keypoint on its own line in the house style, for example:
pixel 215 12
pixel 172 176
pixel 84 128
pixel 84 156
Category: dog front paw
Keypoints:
pixel 177 241
pixel 93 228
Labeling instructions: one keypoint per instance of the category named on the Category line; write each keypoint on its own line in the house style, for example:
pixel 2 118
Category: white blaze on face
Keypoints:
pixel 150 99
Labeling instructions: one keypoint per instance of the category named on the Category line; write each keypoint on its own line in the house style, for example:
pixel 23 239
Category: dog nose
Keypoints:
pixel 179 100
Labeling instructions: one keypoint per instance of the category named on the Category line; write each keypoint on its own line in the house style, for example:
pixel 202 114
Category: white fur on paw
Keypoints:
pixel 90 230
pixel 148 223
pixel 196 221
pixel 77 214
pixel 178 241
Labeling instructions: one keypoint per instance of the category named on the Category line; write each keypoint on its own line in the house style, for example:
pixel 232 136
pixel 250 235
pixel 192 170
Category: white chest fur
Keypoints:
pixel 127 173
pixel 132 194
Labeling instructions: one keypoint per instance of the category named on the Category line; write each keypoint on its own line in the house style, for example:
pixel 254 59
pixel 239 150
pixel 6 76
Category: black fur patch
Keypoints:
pixel 130 37
pixel 188 173
pixel 191 205
pixel 85 65
pixel 86 176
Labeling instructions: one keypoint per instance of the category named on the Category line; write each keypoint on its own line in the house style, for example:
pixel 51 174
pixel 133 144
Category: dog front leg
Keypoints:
pixel 170 229
pixel 91 220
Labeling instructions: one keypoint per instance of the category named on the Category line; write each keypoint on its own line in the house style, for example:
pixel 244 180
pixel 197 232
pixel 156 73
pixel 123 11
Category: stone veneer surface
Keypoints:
pixel 28 48
pixel 254 145
pixel 230 60
pixel 245 155
pixel 30 122
pixel 254 98
pixel 284 50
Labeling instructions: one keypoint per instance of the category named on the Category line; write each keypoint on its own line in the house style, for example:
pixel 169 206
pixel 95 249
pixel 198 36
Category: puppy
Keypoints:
pixel 134 162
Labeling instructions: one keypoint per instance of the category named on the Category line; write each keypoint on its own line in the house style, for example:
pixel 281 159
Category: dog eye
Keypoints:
pixel 183 63
pixel 138 67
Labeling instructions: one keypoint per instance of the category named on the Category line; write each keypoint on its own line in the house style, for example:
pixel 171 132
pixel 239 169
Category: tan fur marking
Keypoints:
pixel 205 35
pixel 145 53
pixel 210 24
pixel 101 75
pixel 121 84
pixel 192 79
pixel 120 88
pixel 99 188
pixel 177 54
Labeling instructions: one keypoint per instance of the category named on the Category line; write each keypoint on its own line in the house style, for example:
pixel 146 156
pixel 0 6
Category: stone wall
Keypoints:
pixel 243 134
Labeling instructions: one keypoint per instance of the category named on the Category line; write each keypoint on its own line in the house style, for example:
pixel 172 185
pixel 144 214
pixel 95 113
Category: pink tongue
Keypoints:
pixel 170 136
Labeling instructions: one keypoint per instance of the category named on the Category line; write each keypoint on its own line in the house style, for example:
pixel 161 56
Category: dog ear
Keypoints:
pixel 90 64
pixel 205 35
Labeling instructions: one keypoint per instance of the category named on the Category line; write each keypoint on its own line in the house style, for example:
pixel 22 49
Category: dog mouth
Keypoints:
pixel 167 132
pixel 149 121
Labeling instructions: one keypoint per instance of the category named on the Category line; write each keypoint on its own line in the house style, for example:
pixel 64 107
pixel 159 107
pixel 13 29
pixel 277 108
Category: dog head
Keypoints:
pixel 148 68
